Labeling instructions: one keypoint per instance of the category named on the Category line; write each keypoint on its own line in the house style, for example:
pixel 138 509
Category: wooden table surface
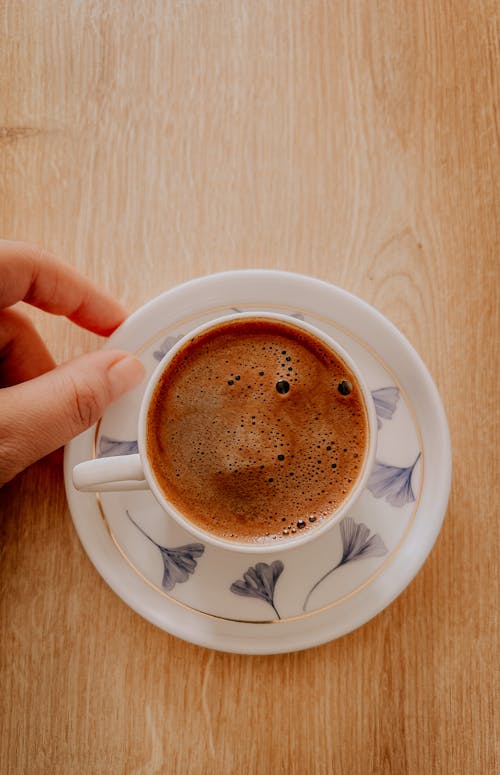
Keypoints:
pixel 151 142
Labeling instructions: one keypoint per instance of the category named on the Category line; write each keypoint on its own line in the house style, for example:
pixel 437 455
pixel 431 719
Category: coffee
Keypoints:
pixel 256 430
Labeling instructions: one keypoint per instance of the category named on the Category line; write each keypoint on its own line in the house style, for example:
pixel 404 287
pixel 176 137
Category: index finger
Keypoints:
pixel 30 274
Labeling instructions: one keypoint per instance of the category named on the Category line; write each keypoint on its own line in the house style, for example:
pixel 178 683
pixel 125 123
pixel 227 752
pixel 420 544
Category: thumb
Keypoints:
pixel 38 416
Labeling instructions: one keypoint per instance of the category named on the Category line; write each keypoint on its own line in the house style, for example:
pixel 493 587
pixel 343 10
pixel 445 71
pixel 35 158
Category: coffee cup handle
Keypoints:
pixel 110 474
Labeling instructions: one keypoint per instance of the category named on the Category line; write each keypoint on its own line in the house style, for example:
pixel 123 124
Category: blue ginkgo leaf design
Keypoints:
pixel 357 544
pixel 385 400
pixel 179 563
pixel 393 483
pixel 260 581
pixel 165 346
pixel 109 447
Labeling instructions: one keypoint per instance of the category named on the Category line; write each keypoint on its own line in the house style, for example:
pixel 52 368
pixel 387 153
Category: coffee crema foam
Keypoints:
pixel 248 434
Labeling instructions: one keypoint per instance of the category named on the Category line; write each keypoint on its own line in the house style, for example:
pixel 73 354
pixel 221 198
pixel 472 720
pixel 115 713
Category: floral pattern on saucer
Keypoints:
pixel 108 447
pixel 294 583
pixel 393 482
pixel 357 544
pixel 385 401
pixel 178 563
pixel 259 581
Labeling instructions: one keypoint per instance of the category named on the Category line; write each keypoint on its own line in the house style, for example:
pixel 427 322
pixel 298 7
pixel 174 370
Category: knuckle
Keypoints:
pixel 8 462
pixel 14 447
pixel 87 403
pixel 10 466
pixel 35 253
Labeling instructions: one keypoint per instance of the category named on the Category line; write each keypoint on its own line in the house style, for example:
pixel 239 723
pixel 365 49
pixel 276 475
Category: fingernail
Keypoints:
pixel 125 374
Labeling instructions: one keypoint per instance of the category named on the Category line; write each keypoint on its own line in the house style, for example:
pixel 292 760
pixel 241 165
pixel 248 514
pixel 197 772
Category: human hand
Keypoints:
pixel 43 406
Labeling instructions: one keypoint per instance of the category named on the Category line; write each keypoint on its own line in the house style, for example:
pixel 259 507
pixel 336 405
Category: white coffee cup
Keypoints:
pixel 134 472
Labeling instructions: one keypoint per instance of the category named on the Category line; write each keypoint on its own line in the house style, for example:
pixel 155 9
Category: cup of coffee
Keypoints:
pixel 256 432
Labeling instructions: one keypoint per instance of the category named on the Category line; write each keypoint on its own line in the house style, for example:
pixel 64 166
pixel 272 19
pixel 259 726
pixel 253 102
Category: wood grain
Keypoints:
pixel 150 142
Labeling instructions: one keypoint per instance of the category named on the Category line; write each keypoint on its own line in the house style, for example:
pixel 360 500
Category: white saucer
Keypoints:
pixel 303 597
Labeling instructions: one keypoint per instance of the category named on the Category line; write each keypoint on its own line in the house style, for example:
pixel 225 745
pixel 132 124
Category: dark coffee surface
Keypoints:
pixel 249 435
